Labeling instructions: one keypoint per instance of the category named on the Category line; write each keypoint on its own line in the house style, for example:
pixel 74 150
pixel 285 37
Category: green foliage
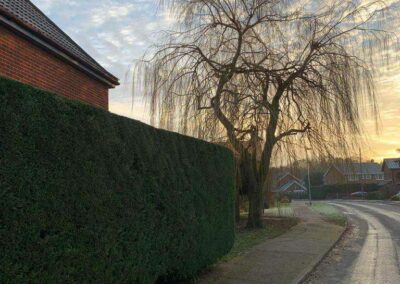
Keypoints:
pixel 336 191
pixel 339 190
pixel 88 196
pixel 316 178
pixel 395 198
pixel 375 195
pixel 318 192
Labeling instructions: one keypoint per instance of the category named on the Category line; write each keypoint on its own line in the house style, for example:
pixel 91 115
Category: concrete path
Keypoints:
pixel 285 259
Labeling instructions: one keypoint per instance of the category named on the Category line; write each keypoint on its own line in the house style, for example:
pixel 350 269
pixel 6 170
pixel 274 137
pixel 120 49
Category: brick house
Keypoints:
pixel 286 178
pixel 289 183
pixel 34 51
pixel 391 169
pixel 353 173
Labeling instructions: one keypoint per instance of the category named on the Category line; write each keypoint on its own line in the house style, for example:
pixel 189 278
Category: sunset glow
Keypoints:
pixel 117 32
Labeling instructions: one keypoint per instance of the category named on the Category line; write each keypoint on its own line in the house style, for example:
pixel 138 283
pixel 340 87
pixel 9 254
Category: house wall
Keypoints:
pixel 391 175
pixel 333 176
pixel 387 173
pixel 23 61
pixel 364 180
pixel 396 176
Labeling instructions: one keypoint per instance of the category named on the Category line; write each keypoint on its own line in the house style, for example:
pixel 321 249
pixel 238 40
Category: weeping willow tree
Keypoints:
pixel 266 76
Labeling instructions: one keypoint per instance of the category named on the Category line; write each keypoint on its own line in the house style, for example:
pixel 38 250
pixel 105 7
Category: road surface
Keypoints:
pixel 370 249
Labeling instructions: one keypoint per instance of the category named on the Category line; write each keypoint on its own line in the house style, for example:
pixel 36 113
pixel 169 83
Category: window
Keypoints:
pixel 379 177
pixel 352 177
pixel 366 176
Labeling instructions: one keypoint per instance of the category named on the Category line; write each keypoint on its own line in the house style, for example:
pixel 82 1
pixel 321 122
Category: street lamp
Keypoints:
pixel 308 175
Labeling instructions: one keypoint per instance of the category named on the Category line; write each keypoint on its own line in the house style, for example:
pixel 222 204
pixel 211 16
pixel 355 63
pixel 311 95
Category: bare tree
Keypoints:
pixel 267 76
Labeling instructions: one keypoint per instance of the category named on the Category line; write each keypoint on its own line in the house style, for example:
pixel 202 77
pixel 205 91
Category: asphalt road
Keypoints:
pixel 370 249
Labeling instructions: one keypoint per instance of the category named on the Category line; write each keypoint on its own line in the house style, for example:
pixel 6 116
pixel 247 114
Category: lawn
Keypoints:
pixel 283 210
pixel 330 213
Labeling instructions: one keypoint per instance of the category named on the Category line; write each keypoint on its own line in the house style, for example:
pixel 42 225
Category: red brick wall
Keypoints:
pixel 25 62
pixel 396 176
pixel 391 175
pixel 387 172
pixel 333 176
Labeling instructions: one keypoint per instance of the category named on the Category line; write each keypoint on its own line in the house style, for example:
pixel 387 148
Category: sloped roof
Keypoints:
pixel 286 186
pixel 27 15
pixel 288 174
pixel 355 168
pixel 393 164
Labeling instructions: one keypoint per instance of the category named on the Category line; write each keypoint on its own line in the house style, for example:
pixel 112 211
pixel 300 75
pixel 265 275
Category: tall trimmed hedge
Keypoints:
pixel 88 196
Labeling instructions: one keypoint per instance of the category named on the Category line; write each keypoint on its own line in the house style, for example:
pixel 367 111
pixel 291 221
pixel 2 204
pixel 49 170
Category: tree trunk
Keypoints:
pixel 254 192
pixel 239 187
pixel 258 184
pixel 255 207
pixel 237 209
pixel 267 192
pixel 269 196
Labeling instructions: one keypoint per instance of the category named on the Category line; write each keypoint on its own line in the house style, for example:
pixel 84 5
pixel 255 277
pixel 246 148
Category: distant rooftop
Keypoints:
pixel 285 174
pixel 392 164
pixel 356 168
pixel 27 15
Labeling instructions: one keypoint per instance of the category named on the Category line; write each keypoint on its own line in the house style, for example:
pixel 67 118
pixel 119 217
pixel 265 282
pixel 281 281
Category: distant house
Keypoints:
pixel 34 51
pixel 391 169
pixel 354 173
pixel 289 183
pixel 286 178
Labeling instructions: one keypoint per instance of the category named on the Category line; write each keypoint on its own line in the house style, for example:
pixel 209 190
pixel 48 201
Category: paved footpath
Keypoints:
pixel 285 259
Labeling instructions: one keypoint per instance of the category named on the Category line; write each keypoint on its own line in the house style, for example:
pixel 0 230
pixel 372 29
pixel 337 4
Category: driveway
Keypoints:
pixel 370 250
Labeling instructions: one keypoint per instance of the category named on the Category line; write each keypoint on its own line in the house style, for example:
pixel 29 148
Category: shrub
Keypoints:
pixel 389 190
pixel 395 197
pixel 375 195
pixel 88 196
pixel 340 190
pixel 318 192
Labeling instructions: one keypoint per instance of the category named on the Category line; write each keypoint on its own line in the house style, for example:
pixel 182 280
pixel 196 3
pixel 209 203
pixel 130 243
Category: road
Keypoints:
pixel 369 251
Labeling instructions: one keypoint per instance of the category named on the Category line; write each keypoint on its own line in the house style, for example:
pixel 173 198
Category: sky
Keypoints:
pixel 117 32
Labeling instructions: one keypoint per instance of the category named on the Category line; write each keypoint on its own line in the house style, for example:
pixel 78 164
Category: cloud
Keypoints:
pixel 115 32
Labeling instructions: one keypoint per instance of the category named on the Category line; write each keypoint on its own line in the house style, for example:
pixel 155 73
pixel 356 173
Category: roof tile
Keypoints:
pixel 392 164
pixel 26 13
pixel 354 168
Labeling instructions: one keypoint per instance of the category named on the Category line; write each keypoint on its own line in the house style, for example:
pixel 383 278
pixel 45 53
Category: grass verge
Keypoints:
pixel 245 239
pixel 283 210
pixel 330 213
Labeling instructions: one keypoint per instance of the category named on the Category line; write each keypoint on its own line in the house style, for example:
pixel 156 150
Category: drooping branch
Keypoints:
pixel 256 74
pixel 293 132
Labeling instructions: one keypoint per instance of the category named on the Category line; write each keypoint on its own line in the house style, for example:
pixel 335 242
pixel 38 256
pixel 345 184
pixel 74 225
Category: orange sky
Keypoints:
pixel 115 32
pixel 380 142
pixel 384 141
pixel 381 139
